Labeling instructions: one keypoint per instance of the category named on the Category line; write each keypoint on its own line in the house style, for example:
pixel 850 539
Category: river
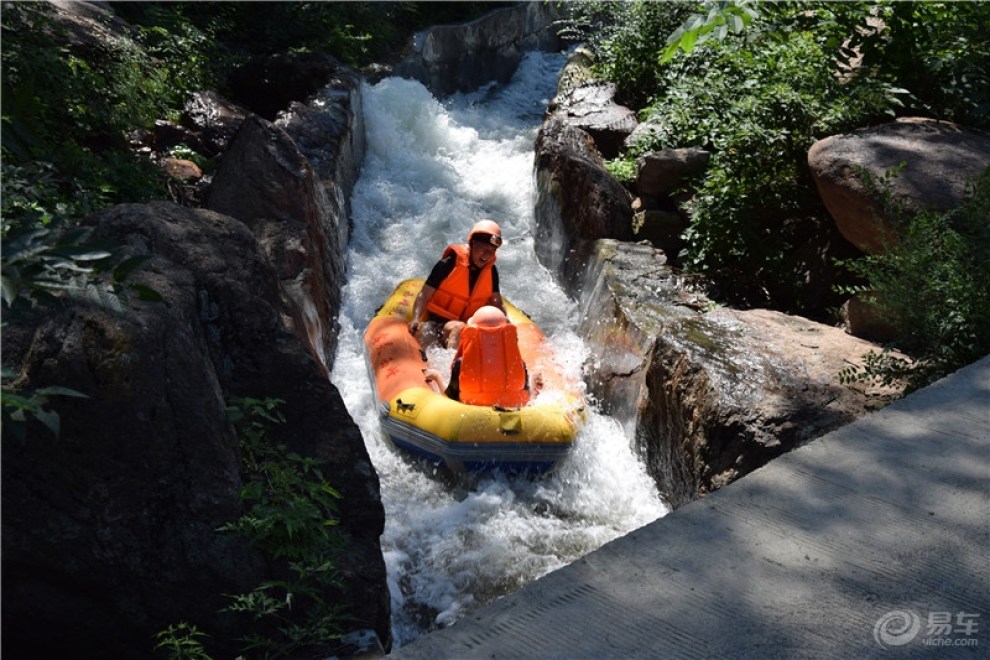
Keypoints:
pixel 431 170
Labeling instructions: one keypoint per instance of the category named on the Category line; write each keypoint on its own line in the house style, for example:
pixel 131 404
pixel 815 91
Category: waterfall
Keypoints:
pixel 431 170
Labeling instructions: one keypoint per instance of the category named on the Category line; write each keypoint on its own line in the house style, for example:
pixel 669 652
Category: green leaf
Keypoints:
pixel 127 266
pixel 146 293
pixel 57 390
pixel 50 419
pixel 688 40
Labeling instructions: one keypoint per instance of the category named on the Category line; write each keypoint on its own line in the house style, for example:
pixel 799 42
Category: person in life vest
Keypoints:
pixel 464 280
pixel 488 369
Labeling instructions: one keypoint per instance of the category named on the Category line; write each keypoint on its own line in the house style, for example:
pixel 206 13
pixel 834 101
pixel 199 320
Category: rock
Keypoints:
pixel 266 183
pixel 328 129
pixel 578 69
pixel 168 135
pixel 577 201
pixel 109 532
pixel 645 135
pixel 213 119
pixel 662 229
pixel 658 173
pixel 461 58
pixel 591 107
pixel 714 393
pixel 941 158
pixel 90 25
pixel 179 168
pixel 861 318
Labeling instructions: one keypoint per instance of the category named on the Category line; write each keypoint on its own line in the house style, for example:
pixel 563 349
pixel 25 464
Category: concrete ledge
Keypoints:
pixel 829 551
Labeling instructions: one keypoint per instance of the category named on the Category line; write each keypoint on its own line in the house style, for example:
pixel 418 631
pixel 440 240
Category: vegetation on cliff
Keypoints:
pixel 757 84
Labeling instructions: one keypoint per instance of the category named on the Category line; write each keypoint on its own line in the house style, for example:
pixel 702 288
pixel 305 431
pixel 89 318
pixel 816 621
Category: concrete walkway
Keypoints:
pixel 870 542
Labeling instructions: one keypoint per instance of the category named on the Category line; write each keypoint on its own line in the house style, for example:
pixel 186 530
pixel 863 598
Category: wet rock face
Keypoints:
pixel 577 202
pixel 212 120
pixel 940 159
pixel 591 107
pixel 461 58
pixel 713 393
pixel 109 532
pixel 265 182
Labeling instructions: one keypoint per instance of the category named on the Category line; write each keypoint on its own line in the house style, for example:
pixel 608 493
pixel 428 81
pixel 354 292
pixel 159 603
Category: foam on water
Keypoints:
pixel 432 169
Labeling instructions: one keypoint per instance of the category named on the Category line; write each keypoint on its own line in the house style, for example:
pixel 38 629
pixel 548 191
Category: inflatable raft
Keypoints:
pixel 467 438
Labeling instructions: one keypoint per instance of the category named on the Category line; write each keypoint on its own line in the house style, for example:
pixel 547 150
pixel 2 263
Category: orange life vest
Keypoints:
pixel 454 299
pixel 492 371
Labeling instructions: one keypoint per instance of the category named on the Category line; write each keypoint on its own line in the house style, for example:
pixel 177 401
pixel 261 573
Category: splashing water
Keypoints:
pixel 431 171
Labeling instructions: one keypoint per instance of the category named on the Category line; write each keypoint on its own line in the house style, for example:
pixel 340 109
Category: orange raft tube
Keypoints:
pixel 467 438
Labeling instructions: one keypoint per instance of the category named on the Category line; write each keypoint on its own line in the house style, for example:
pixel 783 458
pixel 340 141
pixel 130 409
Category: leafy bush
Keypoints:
pixel 933 284
pixel 182 642
pixel 757 84
pixel 69 108
pixel 291 518
pixel 758 106
pixel 626 37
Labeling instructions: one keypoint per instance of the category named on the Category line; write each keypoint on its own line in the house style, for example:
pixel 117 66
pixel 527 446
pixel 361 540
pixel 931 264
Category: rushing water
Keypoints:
pixel 431 170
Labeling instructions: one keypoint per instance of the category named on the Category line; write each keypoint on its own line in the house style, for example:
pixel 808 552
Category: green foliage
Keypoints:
pixel 623 169
pixel 758 109
pixel 40 263
pixel 938 51
pixel 715 23
pixel 626 37
pixel 933 284
pixel 757 85
pixel 18 406
pixel 68 109
pixel 181 642
pixel 291 517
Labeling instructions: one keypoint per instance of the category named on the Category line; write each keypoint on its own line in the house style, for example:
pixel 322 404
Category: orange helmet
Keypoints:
pixel 489 228
pixel 487 317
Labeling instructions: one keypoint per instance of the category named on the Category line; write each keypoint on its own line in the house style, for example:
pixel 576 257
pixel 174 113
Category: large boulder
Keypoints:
pixel 577 201
pixel 264 181
pixel 591 106
pixel 109 530
pixel 713 393
pixel 578 69
pixel 940 160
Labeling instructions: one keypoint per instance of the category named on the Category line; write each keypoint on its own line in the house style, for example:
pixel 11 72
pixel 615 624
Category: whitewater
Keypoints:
pixel 432 169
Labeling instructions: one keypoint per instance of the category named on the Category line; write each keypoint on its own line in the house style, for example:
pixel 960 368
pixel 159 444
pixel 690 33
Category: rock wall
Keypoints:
pixel 577 201
pixel 713 393
pixel 109 531
pixel 453 58
pixel 290 181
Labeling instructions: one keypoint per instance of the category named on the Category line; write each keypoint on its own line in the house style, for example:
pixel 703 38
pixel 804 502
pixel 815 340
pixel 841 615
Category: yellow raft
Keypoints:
pixel 467 438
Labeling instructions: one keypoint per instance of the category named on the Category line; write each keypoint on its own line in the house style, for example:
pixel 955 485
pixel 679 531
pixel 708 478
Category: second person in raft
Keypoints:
pixel 461 283
pixel 488 369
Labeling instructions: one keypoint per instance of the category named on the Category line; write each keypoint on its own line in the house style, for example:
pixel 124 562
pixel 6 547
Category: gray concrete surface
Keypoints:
pixel 870 542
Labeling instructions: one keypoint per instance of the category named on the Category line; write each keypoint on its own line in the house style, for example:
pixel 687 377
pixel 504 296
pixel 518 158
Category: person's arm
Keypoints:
pixel 434 380
pixel 419 307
